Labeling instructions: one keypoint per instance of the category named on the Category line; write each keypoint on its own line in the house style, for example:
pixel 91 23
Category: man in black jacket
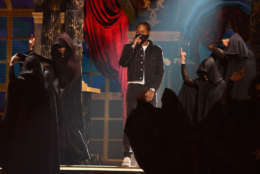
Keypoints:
pixel 144 61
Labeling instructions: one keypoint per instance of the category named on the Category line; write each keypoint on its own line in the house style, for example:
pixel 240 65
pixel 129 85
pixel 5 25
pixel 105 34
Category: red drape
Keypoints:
pixel 106 27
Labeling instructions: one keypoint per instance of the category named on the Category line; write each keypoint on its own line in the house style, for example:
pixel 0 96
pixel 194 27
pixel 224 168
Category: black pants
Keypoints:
pixel 133 92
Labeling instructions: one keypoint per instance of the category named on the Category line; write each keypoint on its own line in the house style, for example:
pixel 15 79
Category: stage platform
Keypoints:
pixel 91 169
pixel 98 169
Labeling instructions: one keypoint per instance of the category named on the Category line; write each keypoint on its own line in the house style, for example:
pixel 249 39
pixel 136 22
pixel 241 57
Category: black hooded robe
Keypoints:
pixel 199 95
pixel 238 55
pixel 229 129
pixel 232 150
pixel 72 139
pixel 30 125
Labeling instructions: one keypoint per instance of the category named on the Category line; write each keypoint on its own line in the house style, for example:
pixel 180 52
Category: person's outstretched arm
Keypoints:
pixel 11 67
pixel 184 72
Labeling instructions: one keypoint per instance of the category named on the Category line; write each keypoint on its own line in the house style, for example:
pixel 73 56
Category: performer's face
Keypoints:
pixel 144 32
pixel 225 42
pixel 62 51
pixel 62 70
pixel 141 29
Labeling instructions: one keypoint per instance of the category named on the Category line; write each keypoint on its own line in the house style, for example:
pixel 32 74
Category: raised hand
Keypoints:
pixel 149 95
pixel 137 40
pixel 183 55
pixel 14 59
pixel 31 42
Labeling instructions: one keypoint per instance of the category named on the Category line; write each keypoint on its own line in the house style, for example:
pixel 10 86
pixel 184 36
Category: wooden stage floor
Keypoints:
pixel 91 169
pixel 98 169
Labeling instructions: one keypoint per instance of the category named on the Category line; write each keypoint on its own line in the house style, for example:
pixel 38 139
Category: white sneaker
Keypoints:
pixel 126 162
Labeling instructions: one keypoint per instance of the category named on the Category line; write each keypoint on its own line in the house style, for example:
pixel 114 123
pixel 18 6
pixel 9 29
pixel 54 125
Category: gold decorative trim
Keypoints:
pixel 38 17
pixel 86 88
pixel 8 4
pixel 112 96
pixel 62 17
pixel 106 121
pixel 16 12
pixel 3 87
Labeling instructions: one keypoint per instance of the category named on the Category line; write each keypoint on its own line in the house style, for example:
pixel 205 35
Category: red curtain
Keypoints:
pixel 106 27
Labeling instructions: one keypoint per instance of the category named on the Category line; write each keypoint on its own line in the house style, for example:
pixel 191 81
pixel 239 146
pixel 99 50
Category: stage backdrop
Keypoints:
pixel 106 26
pixel 188 23
pixel 175 24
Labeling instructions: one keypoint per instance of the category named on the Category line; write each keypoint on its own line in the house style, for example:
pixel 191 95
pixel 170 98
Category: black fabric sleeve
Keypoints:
pixel 158 71
pixel 230 85
pixel 227 92
pixel 11 73
pixel 127 55
pixel 185 75
pixel 218 55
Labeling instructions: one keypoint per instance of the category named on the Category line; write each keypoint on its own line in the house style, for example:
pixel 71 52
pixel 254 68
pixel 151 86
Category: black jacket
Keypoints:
pixel 152 64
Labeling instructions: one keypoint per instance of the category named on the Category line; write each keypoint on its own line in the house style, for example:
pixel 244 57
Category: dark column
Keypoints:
pixel 74 20
pixel 52 24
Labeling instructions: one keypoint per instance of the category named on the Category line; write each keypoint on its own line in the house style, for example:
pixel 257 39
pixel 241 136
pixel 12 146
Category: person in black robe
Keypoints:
pixel 233 134
pixel 30 125
pixel 198 97
pixel 237 55
pixel 38 133
pixel 160 137
pixel 235 117
pixel 67 66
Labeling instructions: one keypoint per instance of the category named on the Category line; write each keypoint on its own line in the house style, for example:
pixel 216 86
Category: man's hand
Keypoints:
pixel 13 60
pixel 183 55
pixel 137 40
pixel 31 42
pixel 236 76
pixel 149 95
